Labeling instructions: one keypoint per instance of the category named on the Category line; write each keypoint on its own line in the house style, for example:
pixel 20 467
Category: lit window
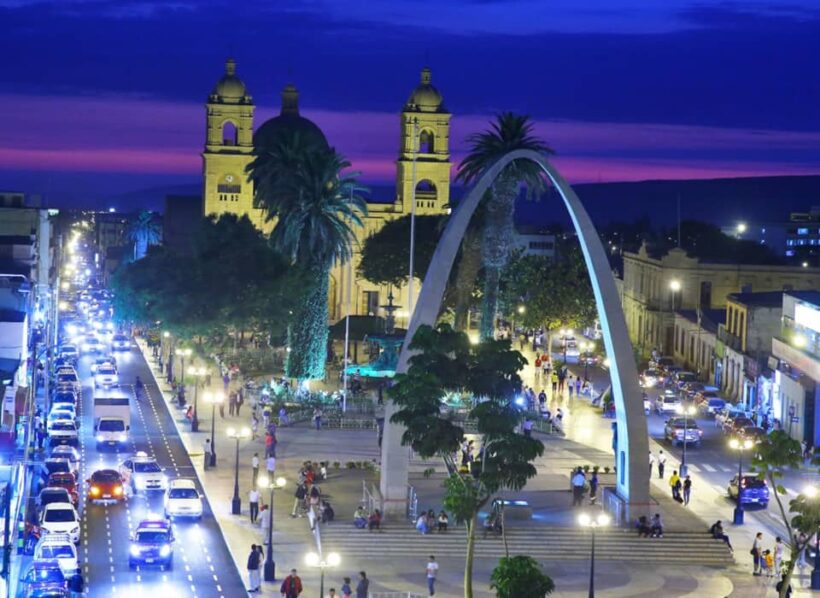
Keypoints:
pixel 802 231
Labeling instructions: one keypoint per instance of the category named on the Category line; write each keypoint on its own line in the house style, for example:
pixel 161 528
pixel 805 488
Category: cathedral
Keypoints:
pixel 422 173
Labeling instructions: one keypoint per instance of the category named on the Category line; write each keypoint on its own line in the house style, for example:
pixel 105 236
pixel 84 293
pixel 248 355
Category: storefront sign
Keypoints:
pixel 807 316
pixel 796 358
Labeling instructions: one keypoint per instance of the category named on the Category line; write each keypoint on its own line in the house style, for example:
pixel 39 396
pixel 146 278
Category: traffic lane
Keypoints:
pixel 206 561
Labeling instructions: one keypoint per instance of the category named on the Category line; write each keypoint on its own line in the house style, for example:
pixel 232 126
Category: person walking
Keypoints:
pixel 674 484
pixel 253 501
pixel 593 487
pixel 298 498
pixel 363 587
pixel 206 452
pixel 254 580
pixel 778 553
pixel 579 480
pixel 232 404
pixel 254 469
pixel 317 417
pixel 687 489
pixel 651 462
pixel 757 554
pixel 432 571
pixel 270 466
pixel 292 586
pixel 661 463
pixel 527 427
pixel 554 380
pixel 346 590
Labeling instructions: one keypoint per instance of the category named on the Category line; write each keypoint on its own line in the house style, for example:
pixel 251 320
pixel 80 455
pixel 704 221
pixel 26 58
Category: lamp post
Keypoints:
pixel 313 559
pixel 565 333
pixel 588 347
pixel 686 412
pixel 183 353
pixel 739 445
pixel 268 484
pixel 586 520
pixel 675 287
pixel 197 373
pixel 236 502
pixel 214 398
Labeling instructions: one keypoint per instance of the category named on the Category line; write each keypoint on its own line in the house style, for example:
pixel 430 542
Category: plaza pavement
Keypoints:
pixel 587 439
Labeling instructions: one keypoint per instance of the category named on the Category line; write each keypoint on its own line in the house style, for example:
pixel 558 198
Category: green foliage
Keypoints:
pixel 143 231
pixel 386 253
pixel 557 292
pixel 519 576
pixel 307 338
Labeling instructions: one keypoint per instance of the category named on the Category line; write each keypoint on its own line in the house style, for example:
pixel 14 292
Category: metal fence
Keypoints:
pixel 395 595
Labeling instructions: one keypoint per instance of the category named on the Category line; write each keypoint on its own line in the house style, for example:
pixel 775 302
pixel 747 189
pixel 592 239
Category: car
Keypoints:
pixel 120 342
pixel 152 544
pixel 683 378
pixel 61 518
pixel 61 414
pixel 64 451
pixel 91 344
pixel 104 360
pixel 106 376
pixel 753 433
pixel 105 485
pixel 651 378
pixel 62 362
pixel 68 379
pixel 183 500
pixel 751 489
pixel 705 395
pixel 143 473
pixel 68 397
pixel 713 406
pixel 67 481
pixel 676 427
pixel 735 424
pixel 58 547
pixel 667 402
pixel 62 431
pixel 44 579
pixel 69 352
pixel 49 495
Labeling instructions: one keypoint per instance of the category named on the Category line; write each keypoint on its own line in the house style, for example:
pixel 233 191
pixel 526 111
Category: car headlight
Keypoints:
pixel 165 550
pixel 100 438
pixel 123 437
pixel 95 490
pixel 135 550
pixel 118 491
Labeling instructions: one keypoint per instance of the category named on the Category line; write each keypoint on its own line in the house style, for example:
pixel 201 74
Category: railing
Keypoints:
pixel 394 595
pixel 369 501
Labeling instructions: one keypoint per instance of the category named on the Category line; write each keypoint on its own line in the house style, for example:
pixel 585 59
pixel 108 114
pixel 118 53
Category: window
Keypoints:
pixel 802 231
pixel 426 142
pixel 705 294
pixel 229 134
pixel 229 188
pixel 371 302
pixel 541 245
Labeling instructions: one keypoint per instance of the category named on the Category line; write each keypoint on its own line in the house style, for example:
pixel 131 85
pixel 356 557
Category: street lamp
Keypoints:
pixel 588 347
pixel 265 483
pixel 183 353
pixel 686 411
pixel 522 309
pixel 236 503
pixel 316 560
pixel 675 287
pixel 197 373
pixel 741 228
pixel 565 333
pixel 586 520
pixel 214 398
pixel 739 445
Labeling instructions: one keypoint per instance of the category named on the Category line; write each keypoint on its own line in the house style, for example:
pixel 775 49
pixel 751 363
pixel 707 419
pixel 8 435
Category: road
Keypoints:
pixel 203 566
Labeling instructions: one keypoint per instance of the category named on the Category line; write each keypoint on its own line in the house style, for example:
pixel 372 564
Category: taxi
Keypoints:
pixel 152 544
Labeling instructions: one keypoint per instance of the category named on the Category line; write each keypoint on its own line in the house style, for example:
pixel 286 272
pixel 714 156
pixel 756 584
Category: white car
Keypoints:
pixel 69 453
pixel 667 402
pixel 68 379
pixel 106 376
pixel 61 518
pixel 183 500
pixel 92 344
pixel 61 430
pixel 120 342
pixel 143 473
pixel 60 548
pixel 61 414
pixel 100 361
pixel 69 351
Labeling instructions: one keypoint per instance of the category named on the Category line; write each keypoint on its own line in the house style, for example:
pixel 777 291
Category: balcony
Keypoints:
pixel 729 339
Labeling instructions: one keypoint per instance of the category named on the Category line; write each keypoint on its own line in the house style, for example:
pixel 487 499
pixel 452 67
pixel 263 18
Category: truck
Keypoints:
pixel 112 420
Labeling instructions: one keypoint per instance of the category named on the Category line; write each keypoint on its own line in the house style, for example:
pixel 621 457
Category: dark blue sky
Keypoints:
pixel 100 91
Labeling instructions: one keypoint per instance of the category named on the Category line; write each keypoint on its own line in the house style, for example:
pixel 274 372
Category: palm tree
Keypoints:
pixel 316 207
pixel 508 133
pixel 142 231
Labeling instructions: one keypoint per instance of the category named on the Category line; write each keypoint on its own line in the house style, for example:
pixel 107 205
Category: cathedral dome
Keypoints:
pixel 230 87
pixel 289 122
pixel 425 97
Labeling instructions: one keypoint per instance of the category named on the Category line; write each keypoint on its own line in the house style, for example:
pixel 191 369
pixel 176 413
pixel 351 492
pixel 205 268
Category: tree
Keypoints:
pixel 508 133
pixel 316 207
pixel 143 230
pixel 446 361
pixel 775 453
pixel 386 253
pixel 556 291
pixel 520 576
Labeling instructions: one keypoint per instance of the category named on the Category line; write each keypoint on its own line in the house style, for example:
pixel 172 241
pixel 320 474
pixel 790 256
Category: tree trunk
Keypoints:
pixel 504 529
pixel 490 303
pixel 468 561
pixel 308 334
pixel 468 268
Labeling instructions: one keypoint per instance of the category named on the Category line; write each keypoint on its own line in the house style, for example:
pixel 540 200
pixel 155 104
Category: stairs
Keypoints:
pixel 541 542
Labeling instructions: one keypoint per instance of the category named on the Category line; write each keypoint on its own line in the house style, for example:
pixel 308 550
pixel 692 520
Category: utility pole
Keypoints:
pixel 414 149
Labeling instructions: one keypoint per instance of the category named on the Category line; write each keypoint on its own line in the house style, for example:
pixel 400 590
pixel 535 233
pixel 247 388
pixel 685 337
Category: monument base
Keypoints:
pixel 623 512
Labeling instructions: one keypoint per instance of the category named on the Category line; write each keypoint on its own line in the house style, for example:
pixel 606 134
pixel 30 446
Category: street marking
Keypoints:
pixel 709 468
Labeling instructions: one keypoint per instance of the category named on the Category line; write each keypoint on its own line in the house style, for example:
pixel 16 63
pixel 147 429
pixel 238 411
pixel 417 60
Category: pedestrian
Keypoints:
pixel 232 404
pixel 298 498
pixel 554 380
pixel 253 501
pixel 579 480
pixel 570 386
pixel 363 586
pixel 674 484
pixel 283 417
pixel 651 462
pixel 718 534
pixel 527 427
pixel 240 399
pixel 270 466
pixel 802 543
pixel 347 592
pixel 757 553
pixel 292 586
pixel 661 463
pixel 577 386
pixel 254 469
pixel 253 570
pixel 687 489
pixel 332 593
pixel 317 417
pixel 254 427
pixel 206 452
pixel 432 571
pixel 593 487
pixel 778 553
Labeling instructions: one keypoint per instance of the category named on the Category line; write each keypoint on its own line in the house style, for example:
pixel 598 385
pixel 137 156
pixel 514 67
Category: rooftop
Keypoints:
pixel 761 299
pixel 710 318
pixel 812 297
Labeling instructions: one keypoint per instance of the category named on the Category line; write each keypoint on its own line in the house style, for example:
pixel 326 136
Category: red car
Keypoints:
pixel 105 485
pixel 67 481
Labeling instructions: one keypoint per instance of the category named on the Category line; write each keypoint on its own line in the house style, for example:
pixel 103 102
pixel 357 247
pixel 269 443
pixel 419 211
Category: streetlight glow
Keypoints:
pixel 741 228
pixel 675 286
pixel 522 309
pixel 799 341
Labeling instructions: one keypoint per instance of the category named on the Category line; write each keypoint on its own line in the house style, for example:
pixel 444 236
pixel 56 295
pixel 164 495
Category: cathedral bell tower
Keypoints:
pixel 425 136
pixel 228 149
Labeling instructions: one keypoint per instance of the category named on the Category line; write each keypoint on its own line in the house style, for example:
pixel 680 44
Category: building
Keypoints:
pixel 796 363
pixel 655 286
pixel 695 342
pixel 423 168
pixel 532 241
pixel 798 237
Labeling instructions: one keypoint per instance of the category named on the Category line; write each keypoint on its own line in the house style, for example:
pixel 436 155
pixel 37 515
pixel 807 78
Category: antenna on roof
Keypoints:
pixel 678 219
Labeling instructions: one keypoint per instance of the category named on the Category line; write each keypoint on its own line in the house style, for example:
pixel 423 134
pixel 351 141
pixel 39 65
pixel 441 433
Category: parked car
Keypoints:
pixel 753 433
pixel 68 379
pixel 735 424
pixel 62 431
pixel 61 518
pixel 662 363
pixel 683 377
pixel 44 577
pixel 68 482
pixel 678 428
pixel 713 406
pixel 751 489
pixel 704 395
pixel 60 548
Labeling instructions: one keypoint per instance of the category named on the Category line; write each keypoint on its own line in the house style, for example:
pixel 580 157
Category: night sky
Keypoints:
pixel 99 98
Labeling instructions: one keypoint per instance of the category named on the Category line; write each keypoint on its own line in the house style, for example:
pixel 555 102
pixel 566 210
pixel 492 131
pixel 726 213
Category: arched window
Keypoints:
pixel 229 133
pixel 425 194
pixel 426 142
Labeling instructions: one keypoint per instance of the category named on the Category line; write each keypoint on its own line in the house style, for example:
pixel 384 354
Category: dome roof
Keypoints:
pixel 230 88
pixel 289 122
pixel 425 97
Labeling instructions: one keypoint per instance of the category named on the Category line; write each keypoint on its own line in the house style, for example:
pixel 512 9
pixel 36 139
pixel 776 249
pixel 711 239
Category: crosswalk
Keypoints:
pixel 706 467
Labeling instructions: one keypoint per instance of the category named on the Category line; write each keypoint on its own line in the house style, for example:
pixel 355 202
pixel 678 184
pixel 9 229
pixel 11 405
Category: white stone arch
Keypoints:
pixel 632 458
